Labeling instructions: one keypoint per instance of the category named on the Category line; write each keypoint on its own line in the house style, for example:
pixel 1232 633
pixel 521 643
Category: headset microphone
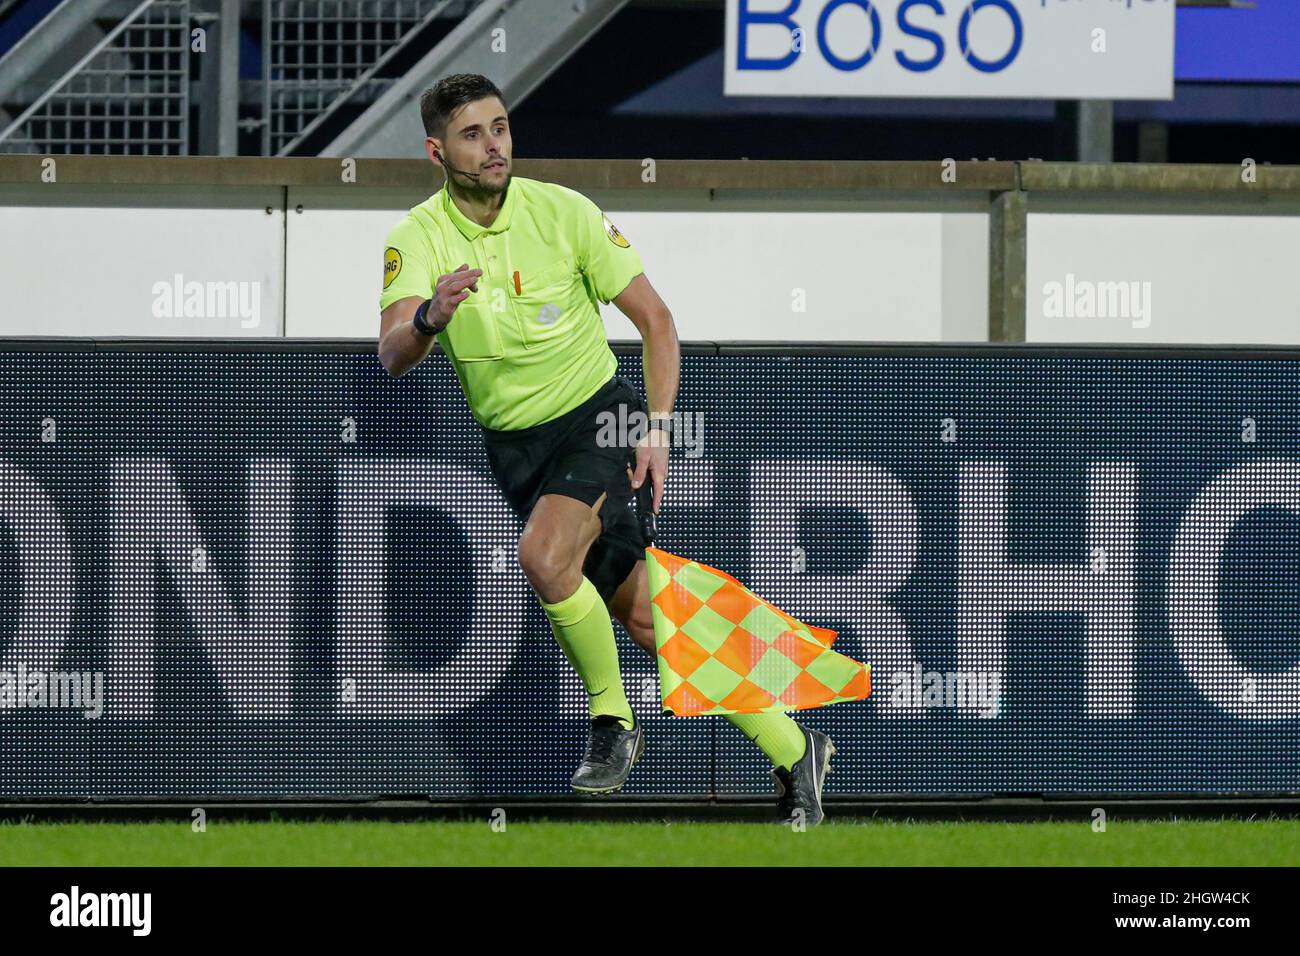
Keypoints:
pixel 443 159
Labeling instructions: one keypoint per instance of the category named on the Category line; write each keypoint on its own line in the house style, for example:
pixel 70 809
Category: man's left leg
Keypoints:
pixel 800 756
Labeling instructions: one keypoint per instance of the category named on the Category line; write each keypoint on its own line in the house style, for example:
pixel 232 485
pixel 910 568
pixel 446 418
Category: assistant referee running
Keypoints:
pixel 504 273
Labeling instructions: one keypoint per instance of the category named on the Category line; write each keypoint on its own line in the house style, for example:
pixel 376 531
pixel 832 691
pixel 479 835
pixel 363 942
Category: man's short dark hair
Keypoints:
pixel 450 94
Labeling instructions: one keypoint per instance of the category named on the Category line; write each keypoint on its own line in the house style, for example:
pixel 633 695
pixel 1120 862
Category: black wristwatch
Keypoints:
pixel 421 326
pixel 664 425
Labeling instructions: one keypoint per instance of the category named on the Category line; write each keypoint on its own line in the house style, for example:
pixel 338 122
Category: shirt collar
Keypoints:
pixel 468 227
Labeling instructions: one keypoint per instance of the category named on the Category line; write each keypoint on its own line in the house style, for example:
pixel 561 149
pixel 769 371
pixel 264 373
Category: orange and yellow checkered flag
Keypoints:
pixel 724 650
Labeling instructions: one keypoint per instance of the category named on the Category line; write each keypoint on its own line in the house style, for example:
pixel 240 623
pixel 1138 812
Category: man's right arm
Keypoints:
pixel 410 277
pixel 401 345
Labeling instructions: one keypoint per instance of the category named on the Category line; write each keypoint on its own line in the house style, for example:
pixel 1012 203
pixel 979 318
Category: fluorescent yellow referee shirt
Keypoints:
pixel 530 344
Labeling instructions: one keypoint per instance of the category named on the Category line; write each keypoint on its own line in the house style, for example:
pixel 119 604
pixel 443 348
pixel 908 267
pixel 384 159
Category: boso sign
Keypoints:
pixel 1036 49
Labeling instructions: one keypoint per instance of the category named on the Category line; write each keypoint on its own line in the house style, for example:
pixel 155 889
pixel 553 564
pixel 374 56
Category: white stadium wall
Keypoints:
pixel 105 261
pixel 741 274
pixel 1209 279
pixel 121 261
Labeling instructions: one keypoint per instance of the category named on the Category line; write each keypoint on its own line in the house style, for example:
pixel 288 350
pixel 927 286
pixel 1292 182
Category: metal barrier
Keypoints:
pixel 129 93
pixel 319 55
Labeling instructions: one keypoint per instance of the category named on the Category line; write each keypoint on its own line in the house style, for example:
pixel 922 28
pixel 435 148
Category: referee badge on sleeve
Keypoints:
pixel 392 265
pixel 615 236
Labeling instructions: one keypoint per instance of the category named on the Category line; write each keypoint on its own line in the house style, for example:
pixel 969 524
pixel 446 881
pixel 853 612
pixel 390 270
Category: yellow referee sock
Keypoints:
pixel 777 735
pixel 585 633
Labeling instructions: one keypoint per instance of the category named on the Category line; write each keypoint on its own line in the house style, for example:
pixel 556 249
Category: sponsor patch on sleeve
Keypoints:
pixel 392 265
pixel 615 236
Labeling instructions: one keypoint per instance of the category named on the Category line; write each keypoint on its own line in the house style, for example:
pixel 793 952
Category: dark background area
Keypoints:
pixel 610 100
pixel 649 84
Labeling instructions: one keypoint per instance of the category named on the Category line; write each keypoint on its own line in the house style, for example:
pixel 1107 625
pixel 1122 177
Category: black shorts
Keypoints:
pixel 563 457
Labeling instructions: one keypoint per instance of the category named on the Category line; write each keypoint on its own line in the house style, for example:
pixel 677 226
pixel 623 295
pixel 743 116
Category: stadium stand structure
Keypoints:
pixel 336 76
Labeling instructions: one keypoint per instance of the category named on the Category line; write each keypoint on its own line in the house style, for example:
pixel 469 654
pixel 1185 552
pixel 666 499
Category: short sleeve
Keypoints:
pixel 408 264
pixel 607 258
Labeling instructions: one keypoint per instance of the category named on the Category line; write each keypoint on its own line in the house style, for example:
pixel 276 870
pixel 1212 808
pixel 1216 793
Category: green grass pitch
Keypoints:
pixel 845 841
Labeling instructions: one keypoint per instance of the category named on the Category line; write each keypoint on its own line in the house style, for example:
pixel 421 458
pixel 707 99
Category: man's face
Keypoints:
pixel 478 141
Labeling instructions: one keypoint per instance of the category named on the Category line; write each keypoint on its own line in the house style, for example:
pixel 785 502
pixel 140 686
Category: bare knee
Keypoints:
pixel 641 628
pixel 632 609
pixel 549 569
pixel 630 603
pixel 555 544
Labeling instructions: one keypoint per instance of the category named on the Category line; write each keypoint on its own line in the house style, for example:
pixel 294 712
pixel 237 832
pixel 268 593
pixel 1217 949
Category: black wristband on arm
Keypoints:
pixel 422 326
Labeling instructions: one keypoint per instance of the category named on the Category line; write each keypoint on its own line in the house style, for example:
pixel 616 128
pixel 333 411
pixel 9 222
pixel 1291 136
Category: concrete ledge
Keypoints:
pixel 910 177
pixel 575 173
pixel 1153 178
